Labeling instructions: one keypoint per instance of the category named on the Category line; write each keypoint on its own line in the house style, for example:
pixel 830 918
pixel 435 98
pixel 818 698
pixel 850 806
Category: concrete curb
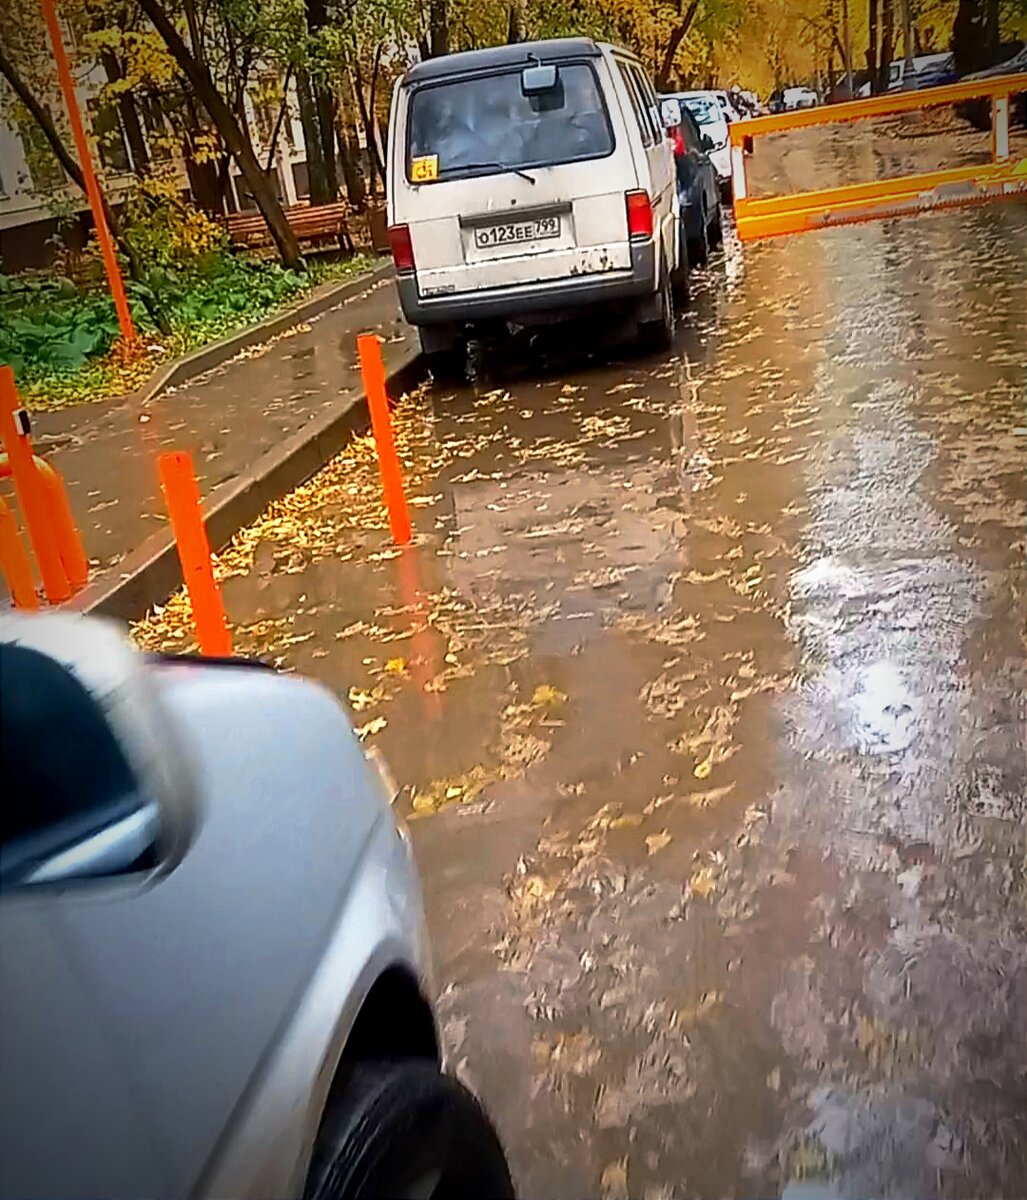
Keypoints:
pixel 175 373
pixel 152 572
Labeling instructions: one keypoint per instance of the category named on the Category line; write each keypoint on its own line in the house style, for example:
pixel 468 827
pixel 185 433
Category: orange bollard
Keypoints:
pixel 14 562
pixel 31 494
pixel 182 494
pixel 373 370
pixel 69 543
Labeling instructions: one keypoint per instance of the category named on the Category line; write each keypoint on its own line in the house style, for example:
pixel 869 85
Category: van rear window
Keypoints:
pixel 485 125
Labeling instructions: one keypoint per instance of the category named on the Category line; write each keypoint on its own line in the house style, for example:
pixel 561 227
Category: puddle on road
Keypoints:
pixel 706 685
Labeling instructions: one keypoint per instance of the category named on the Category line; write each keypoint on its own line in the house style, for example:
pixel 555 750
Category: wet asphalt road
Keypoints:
pixel 706 685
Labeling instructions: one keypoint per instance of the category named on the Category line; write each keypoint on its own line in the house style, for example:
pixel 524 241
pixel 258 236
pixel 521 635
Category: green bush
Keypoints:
pixel 56 335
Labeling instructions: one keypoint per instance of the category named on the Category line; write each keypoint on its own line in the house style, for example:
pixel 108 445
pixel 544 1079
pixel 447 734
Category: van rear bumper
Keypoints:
pixel 531 299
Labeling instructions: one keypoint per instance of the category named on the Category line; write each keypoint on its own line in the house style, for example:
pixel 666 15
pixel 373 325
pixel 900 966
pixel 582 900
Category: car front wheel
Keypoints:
pixel 404 1130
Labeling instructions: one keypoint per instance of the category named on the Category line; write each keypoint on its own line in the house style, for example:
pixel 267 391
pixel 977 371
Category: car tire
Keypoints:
pixel 699 246
pixel 716 226
pixel 657 335
pixel 679 278
pixel 448 366
pixel 405 1129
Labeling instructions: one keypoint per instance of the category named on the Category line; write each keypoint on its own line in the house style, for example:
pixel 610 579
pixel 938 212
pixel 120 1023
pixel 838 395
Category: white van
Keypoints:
pixel 528 181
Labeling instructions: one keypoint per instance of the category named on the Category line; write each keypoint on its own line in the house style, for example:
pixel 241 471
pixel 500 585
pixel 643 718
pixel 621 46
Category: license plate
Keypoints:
pixel 516 231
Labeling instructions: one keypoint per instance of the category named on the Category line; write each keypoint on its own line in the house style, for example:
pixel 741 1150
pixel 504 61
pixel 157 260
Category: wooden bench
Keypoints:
pixel 313 225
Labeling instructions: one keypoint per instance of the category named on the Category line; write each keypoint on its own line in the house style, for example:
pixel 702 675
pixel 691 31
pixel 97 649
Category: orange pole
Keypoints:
pixel 14 562
pixel 103 234
pixel 69 541
pixel 373 370
pixel 182 494
pixel 31 495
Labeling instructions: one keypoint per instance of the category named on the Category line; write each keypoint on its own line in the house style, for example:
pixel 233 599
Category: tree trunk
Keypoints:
pixel 317 175
pixel 130 122
pixel 514 24
pixel 677 36
pixel 992 37
pixel 326 103
pixel 356 193
pixel 349 152
pixel 887 44
pixel 873 66
pixel 438 23
pixel 231 134
pixel 969 41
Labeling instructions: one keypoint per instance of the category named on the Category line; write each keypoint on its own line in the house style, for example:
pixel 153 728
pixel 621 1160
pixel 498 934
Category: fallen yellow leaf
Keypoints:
pixel 628 821
pixel 657 841
pixel 703 883
pixel 703 769
pixel 372 727
pixel 547 696
pixel 396 666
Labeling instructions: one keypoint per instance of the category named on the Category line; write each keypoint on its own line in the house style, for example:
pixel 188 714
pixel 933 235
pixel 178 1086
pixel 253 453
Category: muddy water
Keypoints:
pixel 706 685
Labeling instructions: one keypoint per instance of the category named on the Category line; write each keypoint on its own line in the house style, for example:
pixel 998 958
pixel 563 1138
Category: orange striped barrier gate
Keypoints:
pixel 56 543
pixel 1001 179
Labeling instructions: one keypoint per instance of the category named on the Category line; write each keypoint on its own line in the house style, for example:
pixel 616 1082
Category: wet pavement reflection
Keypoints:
pixel 706 685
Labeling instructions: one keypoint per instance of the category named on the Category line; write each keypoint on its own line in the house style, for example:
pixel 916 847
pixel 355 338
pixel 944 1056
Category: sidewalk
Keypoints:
pixel 235 420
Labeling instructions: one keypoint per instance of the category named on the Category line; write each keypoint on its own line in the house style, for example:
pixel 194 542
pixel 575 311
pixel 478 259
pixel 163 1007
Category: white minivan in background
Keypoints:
pixel 528 182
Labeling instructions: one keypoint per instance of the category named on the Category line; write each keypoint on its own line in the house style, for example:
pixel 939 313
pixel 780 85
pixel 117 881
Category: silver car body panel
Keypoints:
pixel 176 1033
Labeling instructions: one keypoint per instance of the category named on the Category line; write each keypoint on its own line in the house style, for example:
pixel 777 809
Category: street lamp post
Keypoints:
pixel 103 233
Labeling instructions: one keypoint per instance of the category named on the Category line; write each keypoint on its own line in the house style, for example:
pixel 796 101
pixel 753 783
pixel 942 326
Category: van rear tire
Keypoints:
pixel 658 335
pixel 445 357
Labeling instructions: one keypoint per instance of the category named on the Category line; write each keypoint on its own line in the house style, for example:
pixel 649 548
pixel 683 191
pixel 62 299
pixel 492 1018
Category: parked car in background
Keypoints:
pixel 698 192
pixel 214 974
pixel 978 111
pixel 713 126
pixel 529 183
pixel 798 97
pixel 925 70
pixel 726 102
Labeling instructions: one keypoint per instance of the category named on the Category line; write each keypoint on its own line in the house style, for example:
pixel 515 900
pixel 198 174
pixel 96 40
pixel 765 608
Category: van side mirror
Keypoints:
pixel 538 79
pixel 670 113
pixel 707 142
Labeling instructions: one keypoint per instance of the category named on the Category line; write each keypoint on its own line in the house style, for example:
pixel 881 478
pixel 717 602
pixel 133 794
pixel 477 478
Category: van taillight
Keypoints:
pixel 402 248
pixel 640 215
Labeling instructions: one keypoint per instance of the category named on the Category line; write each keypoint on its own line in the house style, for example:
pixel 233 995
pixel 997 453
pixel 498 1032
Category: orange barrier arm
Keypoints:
pixel 14 562
pixel 958 187
pixel 31 494
pixel 373 370
pixel 182 493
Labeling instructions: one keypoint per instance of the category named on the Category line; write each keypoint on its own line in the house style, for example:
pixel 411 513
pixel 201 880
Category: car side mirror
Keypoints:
pixel 707 142
pixel 98 784
pixel 670 113
pixel 539 79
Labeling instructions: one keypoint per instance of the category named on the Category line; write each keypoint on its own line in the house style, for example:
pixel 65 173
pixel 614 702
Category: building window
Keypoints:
pixel 110 138
pixel 46 172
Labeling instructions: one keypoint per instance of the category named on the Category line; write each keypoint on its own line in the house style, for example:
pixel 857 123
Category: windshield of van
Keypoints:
pixel 705 109
pixel 485 125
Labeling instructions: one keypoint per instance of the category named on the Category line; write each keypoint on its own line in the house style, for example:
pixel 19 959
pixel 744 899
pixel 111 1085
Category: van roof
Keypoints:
pixel 501 56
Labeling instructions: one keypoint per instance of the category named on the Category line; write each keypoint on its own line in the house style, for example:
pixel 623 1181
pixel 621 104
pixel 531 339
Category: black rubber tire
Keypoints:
pixel 658 335
pixel 699 247
pixel 396 1123
pixel 448 366
pixel 715 236
pixel 679 280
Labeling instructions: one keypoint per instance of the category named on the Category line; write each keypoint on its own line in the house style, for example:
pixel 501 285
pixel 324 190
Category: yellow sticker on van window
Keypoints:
pixel 424 169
